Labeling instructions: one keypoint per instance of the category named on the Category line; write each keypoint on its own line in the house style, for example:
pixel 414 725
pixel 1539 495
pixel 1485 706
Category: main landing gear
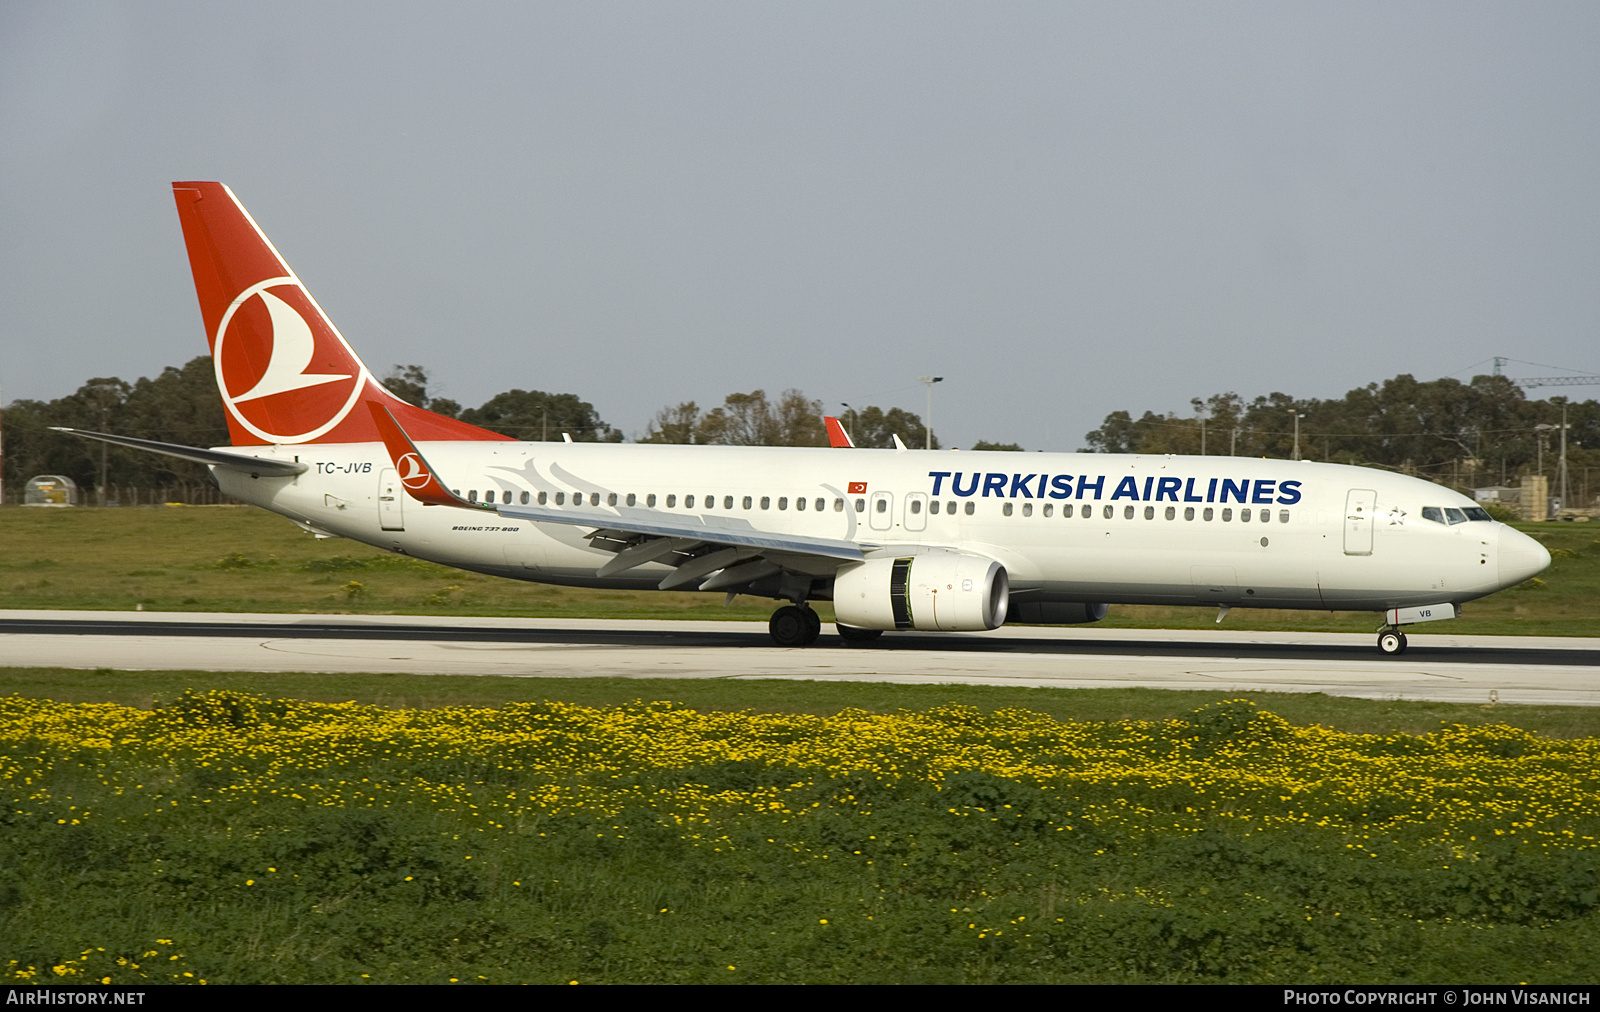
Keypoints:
pixel 794 626
pixel 1392 642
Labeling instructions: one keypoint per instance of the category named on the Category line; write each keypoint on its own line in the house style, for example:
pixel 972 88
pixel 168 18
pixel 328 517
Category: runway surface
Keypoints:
pixel 1550 670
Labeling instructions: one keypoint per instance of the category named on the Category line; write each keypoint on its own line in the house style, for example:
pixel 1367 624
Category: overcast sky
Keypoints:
pixel 1064 209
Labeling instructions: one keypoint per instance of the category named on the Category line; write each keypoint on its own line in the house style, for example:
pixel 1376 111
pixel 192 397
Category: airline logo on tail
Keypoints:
pixel 277 378
pixel 285 373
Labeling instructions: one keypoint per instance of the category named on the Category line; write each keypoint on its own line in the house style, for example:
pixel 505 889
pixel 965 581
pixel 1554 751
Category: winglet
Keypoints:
pixel 836 434
pixel 416 476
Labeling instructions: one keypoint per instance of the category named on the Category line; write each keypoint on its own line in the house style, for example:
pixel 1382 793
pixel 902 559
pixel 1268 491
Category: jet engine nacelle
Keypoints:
pixel 948 591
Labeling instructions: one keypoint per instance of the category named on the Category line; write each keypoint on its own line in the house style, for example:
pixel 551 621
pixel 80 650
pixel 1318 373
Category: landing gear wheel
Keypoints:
pixel 813 626
pixel 854 637
pixel 789 626
pixel 1392 642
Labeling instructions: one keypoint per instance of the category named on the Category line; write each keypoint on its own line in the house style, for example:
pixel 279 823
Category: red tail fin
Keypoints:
pixel 285 373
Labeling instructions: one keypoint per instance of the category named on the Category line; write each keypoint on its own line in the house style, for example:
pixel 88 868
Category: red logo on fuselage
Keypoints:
pixel 858 488
pixel 285 374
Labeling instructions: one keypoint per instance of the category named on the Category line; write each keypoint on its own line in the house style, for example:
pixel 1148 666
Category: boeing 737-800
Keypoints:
pixel 896 539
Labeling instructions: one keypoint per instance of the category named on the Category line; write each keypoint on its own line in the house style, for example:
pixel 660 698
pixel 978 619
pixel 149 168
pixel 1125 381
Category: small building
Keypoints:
pixel 1505 495
pixel 50 490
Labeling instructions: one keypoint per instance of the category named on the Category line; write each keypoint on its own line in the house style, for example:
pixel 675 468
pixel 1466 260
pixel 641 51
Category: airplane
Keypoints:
pixel 897 539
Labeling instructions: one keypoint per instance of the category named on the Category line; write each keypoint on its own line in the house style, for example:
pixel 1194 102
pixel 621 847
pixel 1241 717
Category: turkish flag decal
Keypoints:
pixel 858 488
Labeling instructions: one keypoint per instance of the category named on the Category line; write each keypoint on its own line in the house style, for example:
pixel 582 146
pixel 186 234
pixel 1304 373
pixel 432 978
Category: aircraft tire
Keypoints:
pixel 854 637
pixel 813 625
pixel 789 627
pixel 1392 642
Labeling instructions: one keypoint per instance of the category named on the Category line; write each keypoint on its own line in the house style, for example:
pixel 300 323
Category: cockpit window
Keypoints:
pixel 1433 513
pixel 1454 515
pixel 1477 513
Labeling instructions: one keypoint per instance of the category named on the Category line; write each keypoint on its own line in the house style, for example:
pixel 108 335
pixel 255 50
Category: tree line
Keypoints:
pixel 1468 435
pixel 181 405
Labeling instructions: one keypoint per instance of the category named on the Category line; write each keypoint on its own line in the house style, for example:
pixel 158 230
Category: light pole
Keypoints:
pixel 1296 434
pixel 851 432
pixel 927 419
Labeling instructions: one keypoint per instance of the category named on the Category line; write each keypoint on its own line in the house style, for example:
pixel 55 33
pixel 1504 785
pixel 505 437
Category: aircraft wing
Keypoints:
pixel 837 436
pixel 629 529
pixel 252 466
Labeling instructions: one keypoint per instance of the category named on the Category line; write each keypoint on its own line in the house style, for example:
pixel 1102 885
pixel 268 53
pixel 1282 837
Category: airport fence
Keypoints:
pixel 187 493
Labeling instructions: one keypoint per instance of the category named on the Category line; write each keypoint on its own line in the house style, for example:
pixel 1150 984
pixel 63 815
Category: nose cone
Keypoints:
pixel 1520 557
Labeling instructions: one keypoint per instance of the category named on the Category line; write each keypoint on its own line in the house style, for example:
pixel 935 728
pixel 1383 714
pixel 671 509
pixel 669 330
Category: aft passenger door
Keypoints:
pixel 1359 509
pixel 391 500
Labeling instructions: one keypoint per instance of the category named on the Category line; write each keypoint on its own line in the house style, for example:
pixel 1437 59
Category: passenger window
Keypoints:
pixel 1266 516
pixel 1244 516
pixel 950 508
pixel 799 503
pixel 472 496
pixel 1149 512
pixel 1049 508
pixel 783 502
pixel 631 499
pixel 1005 510
pixel 650 500
pixel 766 502
pixel 916 506
pixel 933 508
pixel 1283 516
pixel 611 499
pixel 672 501
pixel 727 502
pixel 1454 515
pixel 1108 512
pixel 861 505
pixel 1227 515
pixel 969 509
pixel 1066 511
pixel 594 498
pixel 544 497
pixel 561 498
pixel 1027 509
pixel 838 505
pixel 1188 512
pixel 747 502
pixel 883 505
pixel 1208 513
pixel 1172 512
pixel 1127 512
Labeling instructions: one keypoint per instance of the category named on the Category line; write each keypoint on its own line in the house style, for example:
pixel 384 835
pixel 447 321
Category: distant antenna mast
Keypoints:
pixel 1530 382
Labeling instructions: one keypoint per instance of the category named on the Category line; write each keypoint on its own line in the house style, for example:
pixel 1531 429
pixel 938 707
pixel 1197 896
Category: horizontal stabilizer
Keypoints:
pixel 253 466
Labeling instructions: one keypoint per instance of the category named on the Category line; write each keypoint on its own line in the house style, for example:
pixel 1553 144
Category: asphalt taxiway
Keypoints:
pixel 1548 670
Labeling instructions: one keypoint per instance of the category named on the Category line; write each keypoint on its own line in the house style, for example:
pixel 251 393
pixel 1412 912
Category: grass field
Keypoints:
pixel 239 558
pixel 186 826
pixel 230 837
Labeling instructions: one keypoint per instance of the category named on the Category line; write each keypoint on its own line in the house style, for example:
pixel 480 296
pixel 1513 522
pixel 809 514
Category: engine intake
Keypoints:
pixel 947 591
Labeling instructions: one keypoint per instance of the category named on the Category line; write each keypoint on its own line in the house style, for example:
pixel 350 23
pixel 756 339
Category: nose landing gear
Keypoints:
pixel 794 626
pixel 1392 642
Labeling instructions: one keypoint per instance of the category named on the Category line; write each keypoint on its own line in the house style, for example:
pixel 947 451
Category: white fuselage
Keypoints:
pixel 1099 528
